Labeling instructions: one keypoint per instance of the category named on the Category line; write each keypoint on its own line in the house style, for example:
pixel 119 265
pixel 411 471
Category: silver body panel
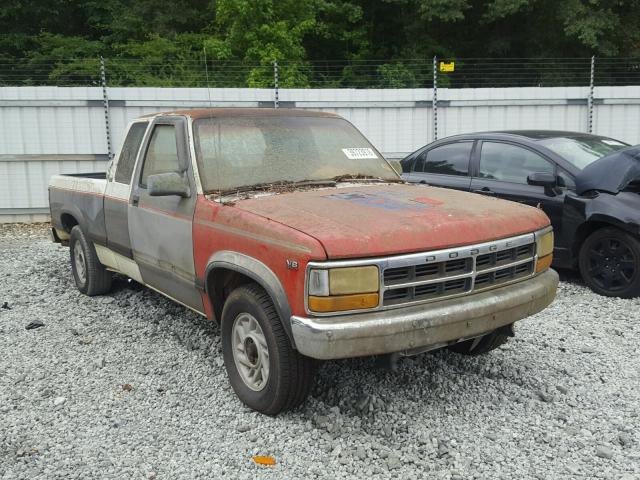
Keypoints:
pixel 161 229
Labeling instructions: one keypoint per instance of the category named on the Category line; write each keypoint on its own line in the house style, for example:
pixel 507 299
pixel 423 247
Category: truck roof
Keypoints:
pixel 242 112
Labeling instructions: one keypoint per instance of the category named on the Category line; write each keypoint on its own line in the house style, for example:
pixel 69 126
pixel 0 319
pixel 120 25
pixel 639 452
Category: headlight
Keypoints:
pixel 544 249
pixel 340 289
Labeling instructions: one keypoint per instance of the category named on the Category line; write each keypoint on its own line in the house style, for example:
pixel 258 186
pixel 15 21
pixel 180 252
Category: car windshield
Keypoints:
pixel 582 151
pixel 240 152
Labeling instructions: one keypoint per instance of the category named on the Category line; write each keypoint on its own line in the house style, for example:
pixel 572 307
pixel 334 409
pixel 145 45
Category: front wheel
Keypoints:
pixel 266 373
pixel 610 263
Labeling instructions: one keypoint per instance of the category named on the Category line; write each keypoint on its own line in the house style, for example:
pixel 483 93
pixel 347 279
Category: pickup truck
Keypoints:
pixel 294 233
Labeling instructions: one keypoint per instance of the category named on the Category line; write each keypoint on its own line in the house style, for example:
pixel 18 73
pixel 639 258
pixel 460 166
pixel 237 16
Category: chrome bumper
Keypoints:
pixel 421 326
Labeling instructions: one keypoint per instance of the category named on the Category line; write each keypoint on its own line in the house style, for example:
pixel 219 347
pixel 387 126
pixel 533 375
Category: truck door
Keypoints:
pixel 161 226
pixel 116 196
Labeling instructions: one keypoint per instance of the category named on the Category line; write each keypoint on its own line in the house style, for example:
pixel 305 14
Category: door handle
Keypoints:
pixel 485 191
pixel 135 200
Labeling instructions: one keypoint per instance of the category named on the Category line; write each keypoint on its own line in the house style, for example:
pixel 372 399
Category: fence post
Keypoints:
pixel 590 99
pixel 105 104
pixel 435 98
pixel 276 100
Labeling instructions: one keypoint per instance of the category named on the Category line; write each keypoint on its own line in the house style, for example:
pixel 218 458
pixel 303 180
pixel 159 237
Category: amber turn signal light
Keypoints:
pixel 341 303
pixel 544 263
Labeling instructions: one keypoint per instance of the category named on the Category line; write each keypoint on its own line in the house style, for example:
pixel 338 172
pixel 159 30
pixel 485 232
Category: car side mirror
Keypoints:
pixel 542 179
pixel 168 184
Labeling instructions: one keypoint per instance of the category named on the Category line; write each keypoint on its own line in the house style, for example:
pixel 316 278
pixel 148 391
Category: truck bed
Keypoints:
pixel 79 197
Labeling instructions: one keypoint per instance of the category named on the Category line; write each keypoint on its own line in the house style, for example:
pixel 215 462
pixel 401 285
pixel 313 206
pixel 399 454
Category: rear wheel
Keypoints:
pixel 266 373
pixel 610 263
pixel 89 274
pixel 480 345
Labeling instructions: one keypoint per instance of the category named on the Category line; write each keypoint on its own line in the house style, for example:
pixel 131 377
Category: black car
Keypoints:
pixel 589 186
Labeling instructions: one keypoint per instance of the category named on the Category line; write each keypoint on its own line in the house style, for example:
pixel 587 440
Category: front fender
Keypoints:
pixel 261 274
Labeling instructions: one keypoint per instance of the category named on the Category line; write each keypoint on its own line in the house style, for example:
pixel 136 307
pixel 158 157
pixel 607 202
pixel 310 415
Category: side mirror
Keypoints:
pixel 167 184
pixel 542 179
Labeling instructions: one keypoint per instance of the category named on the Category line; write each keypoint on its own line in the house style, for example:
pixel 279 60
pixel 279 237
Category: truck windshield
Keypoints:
pixel 236 152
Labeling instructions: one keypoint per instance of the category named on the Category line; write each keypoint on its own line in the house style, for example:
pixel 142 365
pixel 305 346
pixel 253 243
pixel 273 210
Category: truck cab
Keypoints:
pixel 295 234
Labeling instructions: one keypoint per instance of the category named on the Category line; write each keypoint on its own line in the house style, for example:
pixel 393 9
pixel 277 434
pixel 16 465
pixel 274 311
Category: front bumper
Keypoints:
pixel 421 326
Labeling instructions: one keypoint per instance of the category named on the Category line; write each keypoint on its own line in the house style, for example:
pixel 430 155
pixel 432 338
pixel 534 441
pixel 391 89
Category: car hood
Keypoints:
pixel 374 220
pixel 611 173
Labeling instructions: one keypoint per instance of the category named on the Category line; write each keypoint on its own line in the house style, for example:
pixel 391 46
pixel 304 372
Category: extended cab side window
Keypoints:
pixel 129 152
pixel 162 153
pixel 449 159
pixel 511 163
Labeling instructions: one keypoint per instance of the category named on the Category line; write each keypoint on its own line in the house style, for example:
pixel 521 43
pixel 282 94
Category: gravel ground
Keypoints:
pixel 133 386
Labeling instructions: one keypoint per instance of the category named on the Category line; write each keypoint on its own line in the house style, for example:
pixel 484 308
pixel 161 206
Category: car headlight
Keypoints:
pixel 346 288
pixel 544 249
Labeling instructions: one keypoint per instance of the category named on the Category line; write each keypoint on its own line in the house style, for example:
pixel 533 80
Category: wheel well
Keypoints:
pixel 584 231
pixel 68 221
pixel 220 283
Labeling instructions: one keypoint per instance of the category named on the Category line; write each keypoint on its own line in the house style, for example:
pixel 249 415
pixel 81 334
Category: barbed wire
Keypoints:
pixel 358 73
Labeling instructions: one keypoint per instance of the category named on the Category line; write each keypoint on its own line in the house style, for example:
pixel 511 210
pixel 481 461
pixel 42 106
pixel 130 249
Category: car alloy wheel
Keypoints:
pixel 612 264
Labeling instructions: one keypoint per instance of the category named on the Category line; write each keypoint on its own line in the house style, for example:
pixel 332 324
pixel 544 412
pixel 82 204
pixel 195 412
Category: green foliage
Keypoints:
pixel 396 75
pixel 360 43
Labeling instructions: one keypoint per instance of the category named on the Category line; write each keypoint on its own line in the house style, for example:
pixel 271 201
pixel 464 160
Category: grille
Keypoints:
pixel 427 277
pixel 412 273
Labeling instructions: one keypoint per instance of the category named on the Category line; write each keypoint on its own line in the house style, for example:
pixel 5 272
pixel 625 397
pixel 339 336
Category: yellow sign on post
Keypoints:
pixel 447 66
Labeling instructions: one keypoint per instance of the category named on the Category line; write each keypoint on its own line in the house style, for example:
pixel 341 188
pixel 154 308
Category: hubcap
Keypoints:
pixel 78 258
pixel 250 351
pixel 612 264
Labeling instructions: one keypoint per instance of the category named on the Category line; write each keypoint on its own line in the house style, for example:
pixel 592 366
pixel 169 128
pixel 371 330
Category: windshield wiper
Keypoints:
pixel 275 186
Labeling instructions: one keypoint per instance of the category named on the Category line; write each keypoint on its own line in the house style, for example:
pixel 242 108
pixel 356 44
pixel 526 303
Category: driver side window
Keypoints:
pixel 162 153
pixel 511 163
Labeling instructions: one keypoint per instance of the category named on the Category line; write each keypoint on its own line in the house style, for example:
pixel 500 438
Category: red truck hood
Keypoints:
pixel 374 220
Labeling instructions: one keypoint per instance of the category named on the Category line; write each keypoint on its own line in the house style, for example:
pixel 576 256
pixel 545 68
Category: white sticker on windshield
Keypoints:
pixel 612 142
pixel 359 153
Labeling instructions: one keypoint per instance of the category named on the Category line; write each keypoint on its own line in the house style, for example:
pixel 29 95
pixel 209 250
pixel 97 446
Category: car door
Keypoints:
pixel 161 226
pixel 445 165
pixel 501 169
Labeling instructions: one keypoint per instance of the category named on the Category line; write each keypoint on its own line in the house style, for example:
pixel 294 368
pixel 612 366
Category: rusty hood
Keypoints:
pixel 374 220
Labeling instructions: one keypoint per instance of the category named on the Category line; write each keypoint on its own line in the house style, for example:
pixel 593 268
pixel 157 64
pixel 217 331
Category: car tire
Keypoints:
pixel 89 274
pixel 609 262
pixel 480 345
pixel 266 373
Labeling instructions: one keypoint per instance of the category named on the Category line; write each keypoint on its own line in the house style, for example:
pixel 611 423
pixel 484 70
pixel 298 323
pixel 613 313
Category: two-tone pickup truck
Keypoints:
pixel 290 229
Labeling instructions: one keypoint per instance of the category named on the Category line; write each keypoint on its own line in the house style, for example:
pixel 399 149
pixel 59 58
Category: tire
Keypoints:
pixel 483 344
pixel 90 275
pixel 609 262
pixel 249 313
